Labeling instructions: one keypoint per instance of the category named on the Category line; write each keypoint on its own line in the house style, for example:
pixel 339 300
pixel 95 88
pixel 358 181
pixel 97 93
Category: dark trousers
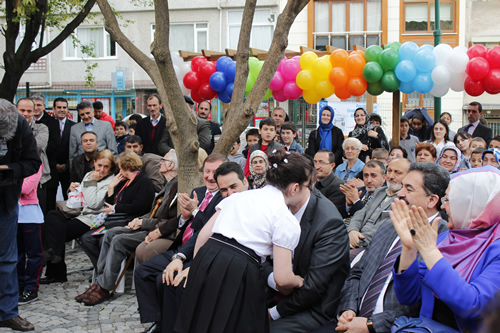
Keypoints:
pixel 64 180
pixel 171 304
pixel 91 245
pixel 9 292
pixel 41 194
pixel 29 254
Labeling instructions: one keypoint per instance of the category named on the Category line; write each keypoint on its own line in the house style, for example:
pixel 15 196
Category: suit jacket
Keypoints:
pixel 214 130
pixel 314 141
pixel 368 219
pixel 321 258
pixel 151 166
pixel 105 138
pixel 62 156
pixel 203 130
pixel 330 187
pixel 359 204
pixel 53 145
pixel 144 130
pixel 481 131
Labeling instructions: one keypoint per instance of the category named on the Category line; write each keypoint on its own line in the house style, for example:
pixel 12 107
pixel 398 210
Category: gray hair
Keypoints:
pixel 356 141
pixel 8 119
pixel 83 105
pixel 435 178
pixel 38 97
pixel 174 160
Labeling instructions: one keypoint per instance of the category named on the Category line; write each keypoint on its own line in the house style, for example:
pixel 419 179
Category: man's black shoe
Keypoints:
pixel 49 280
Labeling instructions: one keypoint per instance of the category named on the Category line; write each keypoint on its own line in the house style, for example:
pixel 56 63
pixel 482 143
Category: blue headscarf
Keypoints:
pixel 325 131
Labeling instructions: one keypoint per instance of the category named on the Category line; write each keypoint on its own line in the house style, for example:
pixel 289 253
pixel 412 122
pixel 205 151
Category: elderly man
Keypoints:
pixel 151 128
pixel 103 130
pixel 364 307
pixel 366 221
pixel 279 116
pixel 204 111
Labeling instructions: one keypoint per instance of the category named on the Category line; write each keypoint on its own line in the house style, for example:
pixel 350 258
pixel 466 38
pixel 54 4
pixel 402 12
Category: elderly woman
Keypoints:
pixel 440 136
pixel 458 275
pixel 59 229
pixel 450 158
pixel 371 136
pixel 491 157
pixel 425 152
pixel 350 168
pixel 258 168
pixel 327 136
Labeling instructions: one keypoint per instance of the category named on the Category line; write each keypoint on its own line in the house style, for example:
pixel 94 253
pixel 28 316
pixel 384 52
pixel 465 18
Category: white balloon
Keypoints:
pixel 441 75
pixel 176 58
pixel 458 61
pixel 439 90
pixel 460 48
pixel 457 81
pixel 442 53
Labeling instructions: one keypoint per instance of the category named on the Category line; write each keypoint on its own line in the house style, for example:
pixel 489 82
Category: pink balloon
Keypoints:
pixel 279 95
pixel 290 69
pixel 477 68
pixel 281 63
pixel 291 90
pixel 477 50
pixel 277 82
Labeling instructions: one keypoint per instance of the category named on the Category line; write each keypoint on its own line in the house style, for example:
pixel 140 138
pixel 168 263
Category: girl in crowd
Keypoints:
pixel 450 158
pixel 224 291
pixel 462 141
pixel 371 137
pixel 446 117
pixel 258 167
pixel 440 135
pixel 425 152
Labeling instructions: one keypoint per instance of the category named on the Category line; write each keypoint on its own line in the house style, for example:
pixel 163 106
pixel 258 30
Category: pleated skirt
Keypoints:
pixel 224 292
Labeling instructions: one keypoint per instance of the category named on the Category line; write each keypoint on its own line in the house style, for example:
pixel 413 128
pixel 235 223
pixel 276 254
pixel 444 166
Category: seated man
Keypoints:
pixel 158 302
pixel 81 164
pixel 364 307
pixel 120 242
pixel 366 221
pixel 327 182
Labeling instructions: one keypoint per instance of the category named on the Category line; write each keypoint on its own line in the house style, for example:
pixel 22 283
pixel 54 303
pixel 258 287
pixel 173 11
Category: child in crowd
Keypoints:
pixel 495 142
pixel 236 156
pixel 476 156
pixel 288 135
pixel 131 128
pixel 121 135
pixel 252 137
pixel 380 154
pixel 477 142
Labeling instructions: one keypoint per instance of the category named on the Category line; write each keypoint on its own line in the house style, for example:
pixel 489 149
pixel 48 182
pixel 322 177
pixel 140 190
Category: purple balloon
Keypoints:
pixel 277 82
pixel 290 69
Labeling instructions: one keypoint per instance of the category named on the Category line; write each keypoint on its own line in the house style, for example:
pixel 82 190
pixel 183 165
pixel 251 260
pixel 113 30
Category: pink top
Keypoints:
pixel 30 185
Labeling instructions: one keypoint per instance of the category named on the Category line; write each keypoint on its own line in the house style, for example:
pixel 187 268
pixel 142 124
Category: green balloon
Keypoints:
pixel 268 94
pixel 389 59
pixel 375 88
pixel 372 53
pixel 372 72
pixel 394 45
pixel 390 82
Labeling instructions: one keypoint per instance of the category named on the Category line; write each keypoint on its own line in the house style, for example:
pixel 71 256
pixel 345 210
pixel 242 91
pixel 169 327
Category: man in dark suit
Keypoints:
pixel 204 110
pixel 42 117
pixel 60 109
pixel 328 183
pixel 364 307
pixel 475 128
pixel 322 259
pixel 151 128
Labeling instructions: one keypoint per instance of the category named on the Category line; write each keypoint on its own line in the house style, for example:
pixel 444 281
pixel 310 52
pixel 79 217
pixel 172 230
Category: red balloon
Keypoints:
pixel 492 82
pixel 477 50
pixel 473 88
pixel 197 62
pixel 342 92
pixel 195 95
pixel 279 95
pixel 206 92
pixel 493 57
pixel 191 80
pixel 206 70
pixel 477 68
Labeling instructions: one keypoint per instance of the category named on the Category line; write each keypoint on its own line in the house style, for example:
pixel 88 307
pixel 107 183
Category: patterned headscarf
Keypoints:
pixel 495 152
pixel 361 129
pixel 456 168
pixel 258 180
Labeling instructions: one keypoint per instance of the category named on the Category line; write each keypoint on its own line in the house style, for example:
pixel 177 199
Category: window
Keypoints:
pixel 41 64
pixel 262 28
pixel 419 16
pixel 191 37
pixel 344 24
pixel 101 43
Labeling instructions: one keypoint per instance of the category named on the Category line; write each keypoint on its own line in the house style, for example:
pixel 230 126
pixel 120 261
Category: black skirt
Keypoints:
pixel 224 292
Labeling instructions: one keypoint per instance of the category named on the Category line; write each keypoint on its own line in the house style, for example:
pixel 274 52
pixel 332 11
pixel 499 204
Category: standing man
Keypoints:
pixel 103 130
pixel 18 159
pixel 151 128
pixel 101 115
pixel 407 141
pixel 475 128
pixel 60 109
pixel 204 111
pixel 279 116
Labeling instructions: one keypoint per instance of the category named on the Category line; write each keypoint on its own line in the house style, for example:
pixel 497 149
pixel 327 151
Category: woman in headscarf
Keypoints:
pixel 327 136
pixel 491 157
pixel 458 275
pixel 450 158
pixel 258 167
pixel 371 136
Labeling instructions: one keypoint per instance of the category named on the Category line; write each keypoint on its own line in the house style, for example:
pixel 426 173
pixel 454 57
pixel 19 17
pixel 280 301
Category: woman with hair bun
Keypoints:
pixel 224 291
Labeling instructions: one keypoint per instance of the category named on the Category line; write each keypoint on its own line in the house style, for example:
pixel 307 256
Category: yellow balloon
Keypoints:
pixel 311 96
pixel 321 69
pixel 325 89
pixel 305 80
pixel 307 59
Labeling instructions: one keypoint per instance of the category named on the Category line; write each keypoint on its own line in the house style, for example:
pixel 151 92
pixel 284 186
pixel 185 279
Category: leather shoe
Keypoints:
pixel 155 328
pixel 81 297
pixel 17 324
pixel 49 280
pixel 98 295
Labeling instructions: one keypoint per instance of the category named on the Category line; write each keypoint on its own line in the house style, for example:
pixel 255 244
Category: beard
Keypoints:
pixel 395 187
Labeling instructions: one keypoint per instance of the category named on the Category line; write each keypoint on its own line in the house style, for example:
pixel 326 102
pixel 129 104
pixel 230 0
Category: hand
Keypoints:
pixel 4 167
pixel 373 133
pixel 356 325
pixel 351 193
pixel 174 267
pixel 364 147
pixel 95 176
pixel 354 237
pixel 116 180
pixel 425 238
pixel 356 182
pixel 109 210
pixel 60 168
pixel 188 205
pixel 153 235
pixel 134 224
pixel 300 281
pixel 400 216
pixel 73 186
pixel 346 317
pixel 182 276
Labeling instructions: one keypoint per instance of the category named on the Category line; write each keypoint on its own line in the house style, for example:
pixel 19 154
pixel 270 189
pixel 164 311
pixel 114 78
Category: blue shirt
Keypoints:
pixel 341 170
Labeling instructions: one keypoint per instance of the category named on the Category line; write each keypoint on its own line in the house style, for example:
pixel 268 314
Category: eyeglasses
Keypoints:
pixel 351 148
pixel 472 111
pixel 165 160
pixel 444 200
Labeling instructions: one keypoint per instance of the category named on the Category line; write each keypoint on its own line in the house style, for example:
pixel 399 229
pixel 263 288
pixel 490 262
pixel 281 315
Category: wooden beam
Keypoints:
pixel 212 55
pixel 369 103
pixel 231 53
pixel 304 49
pixel 396 118
pixel 187 55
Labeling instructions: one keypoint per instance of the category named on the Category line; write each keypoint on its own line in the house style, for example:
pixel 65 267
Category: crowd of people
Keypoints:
pixel 349 234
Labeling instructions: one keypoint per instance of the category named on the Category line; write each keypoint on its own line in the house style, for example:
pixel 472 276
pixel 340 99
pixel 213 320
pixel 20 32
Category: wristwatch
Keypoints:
pixel 369 324
pixel 179 256
pixel 195 211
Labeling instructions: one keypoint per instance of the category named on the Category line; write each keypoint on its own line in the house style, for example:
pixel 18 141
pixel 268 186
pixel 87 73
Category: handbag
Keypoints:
pixel 419 325
pixel 76 199
pixel 117 220
pixel 66 211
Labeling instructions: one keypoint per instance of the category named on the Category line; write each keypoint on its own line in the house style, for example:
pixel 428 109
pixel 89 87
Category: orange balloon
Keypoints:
pixel 338 77
pixel 342 93
pixel 324 89
pixel 311 96
pixel 354 64
pixel 357 86
pixel 358 52
pixel 338 58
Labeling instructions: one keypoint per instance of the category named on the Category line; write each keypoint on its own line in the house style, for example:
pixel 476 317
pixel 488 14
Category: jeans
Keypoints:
pixel 9 289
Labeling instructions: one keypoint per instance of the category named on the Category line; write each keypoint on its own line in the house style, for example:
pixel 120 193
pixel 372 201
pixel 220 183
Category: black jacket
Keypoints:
pixel 144 130
pixel 330 187
pixel 372 143
pixel 52 146
pixel 481 131
pixel 314 141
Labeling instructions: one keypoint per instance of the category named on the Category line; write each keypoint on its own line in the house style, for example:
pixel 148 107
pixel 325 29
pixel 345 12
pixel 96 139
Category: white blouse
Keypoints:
pixel 258 219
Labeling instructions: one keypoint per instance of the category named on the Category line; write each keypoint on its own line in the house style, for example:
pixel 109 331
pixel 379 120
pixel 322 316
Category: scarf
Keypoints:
pixel 495 152
pixel 325 130
pixel 258 180
pixel 456 168
pixel 361 129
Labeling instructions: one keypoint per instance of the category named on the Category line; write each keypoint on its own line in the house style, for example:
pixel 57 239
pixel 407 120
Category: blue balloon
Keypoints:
pixel 407 51
pixel 427 47
pixel 222 62
pixel 230 71
pixel 405 71
pixel 224 97
pixel 406 87
pixel 229 89
pixel 423 83
pixel 424 61
pixel 218 81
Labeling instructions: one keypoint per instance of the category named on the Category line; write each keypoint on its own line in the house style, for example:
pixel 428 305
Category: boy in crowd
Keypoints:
pixel 121 135
pixel 477 142
pixel 476 157
pixel 235 156
pixel 288 135
pixel 380 154
pixel 252 137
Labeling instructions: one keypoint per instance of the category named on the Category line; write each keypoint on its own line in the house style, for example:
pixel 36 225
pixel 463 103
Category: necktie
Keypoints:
pixel 61 127
pixel 189 231
pixel 367 197
pixel 467 128
pixel 378 281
